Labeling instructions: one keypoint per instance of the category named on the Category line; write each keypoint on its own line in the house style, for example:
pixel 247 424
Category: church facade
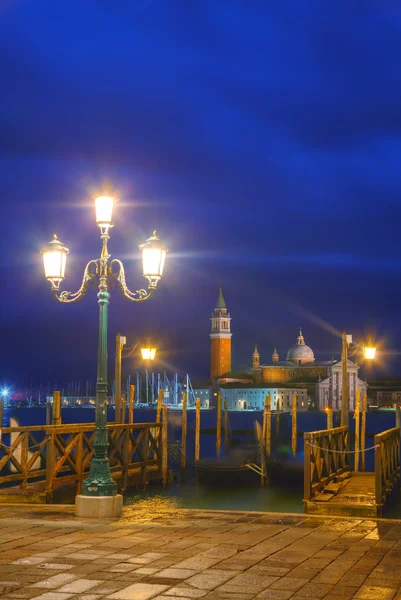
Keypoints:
pixel 321 379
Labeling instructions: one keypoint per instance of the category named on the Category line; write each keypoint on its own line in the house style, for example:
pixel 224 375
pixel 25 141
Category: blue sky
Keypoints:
pixel 261 139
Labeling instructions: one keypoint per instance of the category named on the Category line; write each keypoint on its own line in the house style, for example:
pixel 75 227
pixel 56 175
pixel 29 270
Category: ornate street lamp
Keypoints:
pixel 99 496
pixel 369 353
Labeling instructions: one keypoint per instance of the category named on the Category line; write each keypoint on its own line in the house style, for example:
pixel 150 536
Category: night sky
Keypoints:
pixel 261 139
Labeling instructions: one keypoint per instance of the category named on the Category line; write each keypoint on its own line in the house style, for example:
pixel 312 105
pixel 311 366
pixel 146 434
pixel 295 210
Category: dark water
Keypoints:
pixel 241 426
pixel 193 495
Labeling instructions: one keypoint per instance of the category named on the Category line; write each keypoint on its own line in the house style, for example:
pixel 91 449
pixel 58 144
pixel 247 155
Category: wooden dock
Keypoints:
pixel 331 488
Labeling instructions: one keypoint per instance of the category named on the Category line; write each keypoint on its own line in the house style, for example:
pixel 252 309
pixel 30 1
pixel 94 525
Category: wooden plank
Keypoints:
pixel 307 467
pixel 184 431
pixel 357 426
pixel 218 425
pixel 226 442
pixel 197 429
pixel 268 424
pixel 164 446
pixel 363 430
pixel 294 425
pixel 131 404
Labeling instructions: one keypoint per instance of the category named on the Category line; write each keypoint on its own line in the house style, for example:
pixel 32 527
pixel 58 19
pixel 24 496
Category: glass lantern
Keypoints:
pixel 54 261
pixel 148 353
pixel 153 259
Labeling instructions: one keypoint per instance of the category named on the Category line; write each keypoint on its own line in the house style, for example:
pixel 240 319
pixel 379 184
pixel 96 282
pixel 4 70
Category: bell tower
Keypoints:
pixel 220 339
pixel 255 359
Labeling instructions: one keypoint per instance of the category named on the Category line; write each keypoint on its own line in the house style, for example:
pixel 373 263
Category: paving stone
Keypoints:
pixel 211 579
pixel 314 590
pixel 289 583
pixel 198 563
pixel 345 592
pixel 79 585
pixel 375 593
pixel 56 566
pixel 221 552
pixel 185 592
pixel 271 594
pixel 55 581
pixel 176 573
pixel 53 596
pixel 138 591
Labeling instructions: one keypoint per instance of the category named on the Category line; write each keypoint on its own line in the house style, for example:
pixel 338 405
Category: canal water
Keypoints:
pixel 189 493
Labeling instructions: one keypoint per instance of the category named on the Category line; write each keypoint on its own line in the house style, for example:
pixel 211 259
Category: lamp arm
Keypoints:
pixel 119 275
pixel 355 349
pixel 90 273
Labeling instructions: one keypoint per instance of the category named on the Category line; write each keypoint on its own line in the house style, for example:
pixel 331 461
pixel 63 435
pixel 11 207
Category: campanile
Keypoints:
pixel 220 339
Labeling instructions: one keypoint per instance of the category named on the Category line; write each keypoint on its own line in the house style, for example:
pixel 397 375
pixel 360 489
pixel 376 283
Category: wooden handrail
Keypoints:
pixel 387 463
pixel 324 458
pixel 63 452
pixel 71 427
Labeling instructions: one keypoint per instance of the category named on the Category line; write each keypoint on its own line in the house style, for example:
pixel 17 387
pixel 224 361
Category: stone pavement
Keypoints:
pixel 159 552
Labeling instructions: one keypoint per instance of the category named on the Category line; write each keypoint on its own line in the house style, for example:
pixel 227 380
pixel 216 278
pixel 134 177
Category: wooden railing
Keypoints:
pixel 387 463
pixel 326 458
pixel 62 453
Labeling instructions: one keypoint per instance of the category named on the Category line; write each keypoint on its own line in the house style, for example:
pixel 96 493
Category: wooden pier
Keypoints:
pixel 332 488
pixel 35 461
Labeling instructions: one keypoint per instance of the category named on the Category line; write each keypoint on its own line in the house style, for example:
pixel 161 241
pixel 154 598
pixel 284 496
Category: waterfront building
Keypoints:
pixel 385 391
pixel 252 397
pixel 321 379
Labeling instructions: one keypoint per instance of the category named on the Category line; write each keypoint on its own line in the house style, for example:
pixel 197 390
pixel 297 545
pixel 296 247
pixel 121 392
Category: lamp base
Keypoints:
pixel 99 507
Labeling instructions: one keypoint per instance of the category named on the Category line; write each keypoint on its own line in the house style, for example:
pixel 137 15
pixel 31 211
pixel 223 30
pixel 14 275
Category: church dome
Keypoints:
pixel 300 353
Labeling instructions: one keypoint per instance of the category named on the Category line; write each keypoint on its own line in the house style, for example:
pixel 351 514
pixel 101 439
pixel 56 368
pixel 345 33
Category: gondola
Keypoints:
pixel 234 470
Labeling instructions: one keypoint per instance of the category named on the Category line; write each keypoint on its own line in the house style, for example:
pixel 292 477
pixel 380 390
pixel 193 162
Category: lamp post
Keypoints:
pixel 99 496
pixel 147 354
pixel 369 353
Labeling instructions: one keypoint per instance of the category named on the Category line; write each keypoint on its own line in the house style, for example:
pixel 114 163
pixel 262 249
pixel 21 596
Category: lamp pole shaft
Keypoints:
pixel 100 482
pixel 345 399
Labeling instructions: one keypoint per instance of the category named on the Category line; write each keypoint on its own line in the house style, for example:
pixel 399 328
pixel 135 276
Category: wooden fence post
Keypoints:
pixel 184 432
pixel 363 430
pixel 164 441
pixel 307 466
pixel 48 413
pixel 131 404
pixel 218 425
pixel 56 408
pixel 264 424
pixel 145 452
pixel 268 424
pixel 329 412
pixel 159 405
pixel 197 430
pixel 78 460
pixel 294 425
pixel 50 458
pixel 226 442
pixel 378 470
pixel 24 459
pixel 123 408
pixel 357 423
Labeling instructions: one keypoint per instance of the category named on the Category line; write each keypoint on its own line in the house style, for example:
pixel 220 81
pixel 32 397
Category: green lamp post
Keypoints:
pixel 99 496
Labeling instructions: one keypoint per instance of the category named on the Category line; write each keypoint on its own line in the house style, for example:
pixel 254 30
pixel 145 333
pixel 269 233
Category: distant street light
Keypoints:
pixel 99 491
pixel 369 353
pixel 148 353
